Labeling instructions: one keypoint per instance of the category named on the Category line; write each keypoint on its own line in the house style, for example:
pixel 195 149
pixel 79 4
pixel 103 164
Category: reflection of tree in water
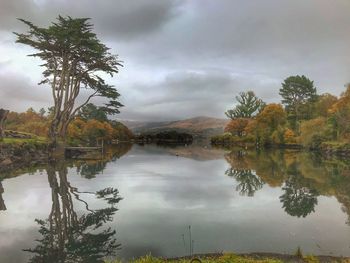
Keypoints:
pixel 248 181
pixel 90 168
pixel 298 200
pixel 68 237
pixel 252 170
pixel 2 202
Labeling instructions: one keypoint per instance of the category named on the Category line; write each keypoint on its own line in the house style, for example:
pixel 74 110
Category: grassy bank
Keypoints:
pixel 250 258
pixel 21 152
pixel 229 140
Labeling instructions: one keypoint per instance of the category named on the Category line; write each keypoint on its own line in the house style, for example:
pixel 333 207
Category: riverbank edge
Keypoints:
pixel 325 148
pixel 241 258
pixel 17 154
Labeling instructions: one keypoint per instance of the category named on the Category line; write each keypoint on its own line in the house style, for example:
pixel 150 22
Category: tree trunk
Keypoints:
pixel 3 116
pixel 56 147
pixel 2 202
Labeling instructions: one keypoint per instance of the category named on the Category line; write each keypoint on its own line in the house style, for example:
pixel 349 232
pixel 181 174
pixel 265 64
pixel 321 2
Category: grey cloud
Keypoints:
pixel 115 19
pixel 18 93
pixel 188 58
pixel 187 94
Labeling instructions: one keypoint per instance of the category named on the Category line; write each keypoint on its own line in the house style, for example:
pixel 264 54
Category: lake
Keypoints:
pixel 173 201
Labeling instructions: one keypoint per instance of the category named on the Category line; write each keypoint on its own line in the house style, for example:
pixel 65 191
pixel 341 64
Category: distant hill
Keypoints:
pixel 199 127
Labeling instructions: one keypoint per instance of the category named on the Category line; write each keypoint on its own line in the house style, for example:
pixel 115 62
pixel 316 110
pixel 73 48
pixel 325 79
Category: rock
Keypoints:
pixel 6 162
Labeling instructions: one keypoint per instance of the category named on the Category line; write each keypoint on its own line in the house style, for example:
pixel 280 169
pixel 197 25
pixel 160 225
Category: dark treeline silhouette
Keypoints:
pixel 165 137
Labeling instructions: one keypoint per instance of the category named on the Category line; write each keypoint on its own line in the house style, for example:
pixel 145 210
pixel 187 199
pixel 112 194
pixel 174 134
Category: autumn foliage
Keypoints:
pixel 237 126
pixel 80 131
pixel 308 120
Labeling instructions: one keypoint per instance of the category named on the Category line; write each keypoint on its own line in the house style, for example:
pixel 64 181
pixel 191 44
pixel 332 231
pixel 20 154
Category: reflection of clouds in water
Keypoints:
pixel 186 184
pixel 12 242
pixel 163 194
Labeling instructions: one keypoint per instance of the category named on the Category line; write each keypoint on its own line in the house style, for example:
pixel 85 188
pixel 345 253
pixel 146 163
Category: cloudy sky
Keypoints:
pixel 188 58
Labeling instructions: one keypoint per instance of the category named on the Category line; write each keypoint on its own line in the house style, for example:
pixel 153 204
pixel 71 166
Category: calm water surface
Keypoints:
pixel 142 199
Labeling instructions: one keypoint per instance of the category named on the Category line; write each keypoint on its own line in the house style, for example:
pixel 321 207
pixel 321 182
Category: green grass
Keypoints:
pixel 227 258
pixel 19 144
pixel 22 141
pixel 34 140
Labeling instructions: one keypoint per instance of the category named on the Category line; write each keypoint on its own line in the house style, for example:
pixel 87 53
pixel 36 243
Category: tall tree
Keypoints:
pixel 296 92
pixel 248 106
pixel 74 58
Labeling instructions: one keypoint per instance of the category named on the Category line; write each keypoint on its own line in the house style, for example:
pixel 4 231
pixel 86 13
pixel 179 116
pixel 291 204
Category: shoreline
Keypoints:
pixel 16 155
pixel 327 150
pixel 253 257
pixel 266 255
pixel 20 154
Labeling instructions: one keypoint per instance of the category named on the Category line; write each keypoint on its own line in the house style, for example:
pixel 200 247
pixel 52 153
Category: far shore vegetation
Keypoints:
pixel 304 118
pixel 89 127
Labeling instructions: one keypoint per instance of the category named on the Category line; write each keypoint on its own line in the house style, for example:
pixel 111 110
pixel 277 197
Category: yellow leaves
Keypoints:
pixel 237 126
pixel 309 129
pixel 29 121
pixel 289 136
pixel 91 130
pixel 342 103
pixel 272 116
pixel 324 104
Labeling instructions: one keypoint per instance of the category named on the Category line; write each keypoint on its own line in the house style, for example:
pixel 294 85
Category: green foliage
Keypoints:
pixel 74 58
pixel 95 126
pixel 310 120
pixel 269 126
pixel 322 105
pixel 228 139
pixel 311 259
pixel 314 132
pixel 297 93
pixel 277 136
pixel 70 41
pixel 226 258
pixel 91 131
pixel 248 106
pixel 297 199
pixel 92 112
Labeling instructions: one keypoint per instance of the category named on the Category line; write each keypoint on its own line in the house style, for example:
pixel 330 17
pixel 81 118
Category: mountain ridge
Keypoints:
pixel 199 126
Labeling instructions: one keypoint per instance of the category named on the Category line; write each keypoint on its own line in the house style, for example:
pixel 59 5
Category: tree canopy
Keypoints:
pixel 93 112
pixel 248 106
pixel 74 58
pixel 296 92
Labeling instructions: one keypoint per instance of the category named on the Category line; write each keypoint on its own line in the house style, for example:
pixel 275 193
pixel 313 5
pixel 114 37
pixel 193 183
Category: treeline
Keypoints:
pixel 303 118
pixel 165 137
pixel 90 126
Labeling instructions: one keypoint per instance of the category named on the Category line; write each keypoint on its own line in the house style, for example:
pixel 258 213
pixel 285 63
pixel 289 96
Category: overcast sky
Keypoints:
pixel 188 58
